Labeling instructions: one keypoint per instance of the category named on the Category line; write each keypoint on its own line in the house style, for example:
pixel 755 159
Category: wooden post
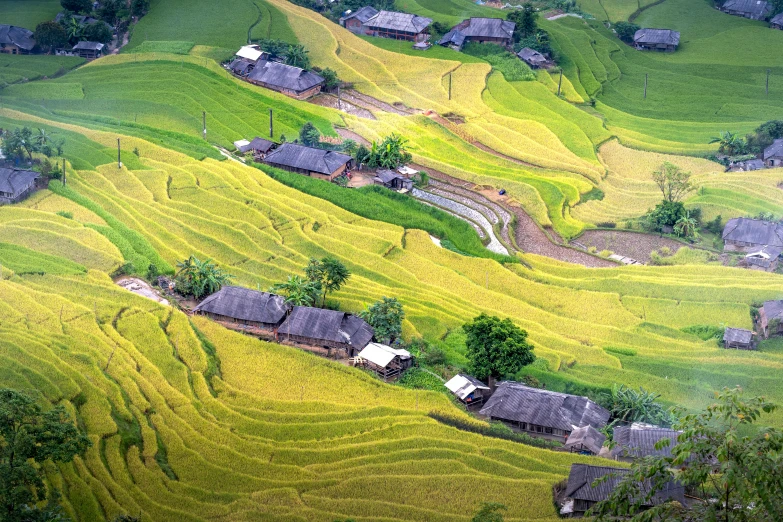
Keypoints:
pixel 645 86
pixel 204 122
pixel 271 124
pixel 560 83
pixel 63 172
pixel 119 159
pixel 339 100
pixel 449 86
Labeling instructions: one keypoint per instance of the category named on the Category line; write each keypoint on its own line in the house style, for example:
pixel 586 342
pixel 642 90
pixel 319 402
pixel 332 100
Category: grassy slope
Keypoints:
pixel 28 13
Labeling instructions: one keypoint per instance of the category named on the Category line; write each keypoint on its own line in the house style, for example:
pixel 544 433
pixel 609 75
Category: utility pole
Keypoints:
pixel 560 83
pixel 271 124
pixel 63 172
pixel 204 122
pixel 449 86
pixel 339 100
pixel 119 159
pixel 645 86
pixel 768 82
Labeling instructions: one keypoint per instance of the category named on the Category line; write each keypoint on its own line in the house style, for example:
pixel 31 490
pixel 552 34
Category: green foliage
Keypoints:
pixel 388 154
pixel 297 291
pixel 331 81
pixel 98 32
pixel 139 7
pixel 200 278
pixel 626 30
pixel 672 181
pixel 385 316
pixel 525 20
pixel 50 35
pixel 433 356
pixel 489 511
pixel 296 56
pixel 29 437
pixel 77 6
pixel 720 453
pixel 665 213
pixel 705 332
pixel 420 379
pixel 309 135
pixel 496 348
pixel 763 136
pixel 687 226
pixel 730 143
pixel 327 274
pixel 627 406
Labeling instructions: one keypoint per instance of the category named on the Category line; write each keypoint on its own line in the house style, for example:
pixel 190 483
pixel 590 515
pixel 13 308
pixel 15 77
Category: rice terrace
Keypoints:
pixel 391 260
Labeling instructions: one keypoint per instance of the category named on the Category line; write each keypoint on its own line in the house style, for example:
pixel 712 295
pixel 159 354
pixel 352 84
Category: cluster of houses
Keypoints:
pixel 771 157
pixel 257 67
pixel 754 10
pixel 330 332
pixel 18 40
pixel 761 242
pixel 576 421
pixel 17 184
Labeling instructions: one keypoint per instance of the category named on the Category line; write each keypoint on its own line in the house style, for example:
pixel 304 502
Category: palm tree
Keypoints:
pixel 686 226
pixel 199 278
pixel 74 30
pixel 730 143
pixel 297 56
pixel 42 137
pixel 627 405
pixel 297 291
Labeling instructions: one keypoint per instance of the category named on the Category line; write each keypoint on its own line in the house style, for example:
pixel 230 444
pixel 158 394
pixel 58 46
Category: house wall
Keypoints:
pixel 776 26
pixel 227 319
pixel 293 94
pixel 774 161
pixel 656 47
pixel 355 26
pixel 12 49
pixel 500 41
pixel 535 430
pixel 397 35
pixel 738 346
pixel 7 197
pixel 88 54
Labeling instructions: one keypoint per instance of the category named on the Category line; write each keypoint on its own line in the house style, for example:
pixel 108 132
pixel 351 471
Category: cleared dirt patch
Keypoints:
pixel 330 100
pixel 142 288
pixel 628 244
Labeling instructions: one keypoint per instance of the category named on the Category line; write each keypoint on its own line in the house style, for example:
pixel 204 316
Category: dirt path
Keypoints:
pixel 142 288
pixel 374 104
pixel 351 135
pixel 331 101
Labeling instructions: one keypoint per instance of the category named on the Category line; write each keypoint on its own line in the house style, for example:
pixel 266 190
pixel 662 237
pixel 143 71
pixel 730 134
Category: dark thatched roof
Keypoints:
pixel 241 66
pixel 531 56
pixel 775 150
pixel 639 440
pixel 773 310
pixel 656 37
pixel 363 14
pixel 487 28
pixel 319 324
pixel 737 335
pixel 245 305
pixel 387 176
pixel 261 145
pixel 754 231
pixel 586 437
pixel 453 37
pixel 18 36
pixel 307 158
pixel 582 476
pixel 282 76
pixel 515 402
pixel 756 9
pixel 777 19
pixel 404 22
pixel 15 181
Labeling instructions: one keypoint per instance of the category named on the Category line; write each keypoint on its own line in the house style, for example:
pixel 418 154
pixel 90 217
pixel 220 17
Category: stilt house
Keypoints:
pixel 738 338
pixel 327 329
pixel 387 362
pixel 316 163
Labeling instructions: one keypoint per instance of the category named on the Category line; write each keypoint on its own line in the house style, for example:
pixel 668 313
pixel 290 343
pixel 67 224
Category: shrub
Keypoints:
pixel 626 30
pixel 605 253
pixel 434 357
pixel 65 214
pixel 607 224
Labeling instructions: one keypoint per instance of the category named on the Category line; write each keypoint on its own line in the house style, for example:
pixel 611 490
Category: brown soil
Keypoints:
pixel 330 100
pixel 374 104
pixel 351 135
pixel 629 244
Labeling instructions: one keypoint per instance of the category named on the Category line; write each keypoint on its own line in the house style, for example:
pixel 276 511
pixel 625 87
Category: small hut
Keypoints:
pixel 738 338
pixel 639 440
pixel 393 180
pixel 533 58
pixel 585 441
pixel 469 390
pixel 387 362
pixel 89 50
pixel 771 318
pixel 17 184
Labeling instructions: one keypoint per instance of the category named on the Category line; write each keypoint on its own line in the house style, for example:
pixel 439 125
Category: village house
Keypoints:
pixel 581 494
pixel 387 362
pixel 585 441
pixel 777 21
pixel 16 184
pixel 316 163
pixel 388 24
pixel 469 390
pixel 751 235
pixel 771 318
pixel 244 307
pixel 747 165
pixel 16 40
pixel 639 439
pixel 259 147
pixel 543 413
pixel 773 155
pixel 765 259
pixel 753 9
pixel 89 50
pixel 287 79
pixel 656 40
pixel 533 58
pixel 481 30
pixel 393 180
pixel 328 329
pixel 738 338
pixel 355 21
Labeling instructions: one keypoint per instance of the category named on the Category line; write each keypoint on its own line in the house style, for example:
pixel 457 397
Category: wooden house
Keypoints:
pixel 16 40
pixel 773 155
pixel 765 259
pixel 16 184
pixel 777 21
pixel 753 9
pixel 543 413
pixel 355 21
pixel 328 329
pixel 387 362
pixel 469 390
pixel 393 180
pixel 656 40
pixel 750 235
pixel 244 307
pixel 747 165
pixel 481 30
pixel 287 79
pixel 638 440
pixel 399 26
pixel 259 147
pixel 533 58
pixel 583 492
pixel 89 50
pixel 585 441
pixel 738 338
pixel 316 163
pixel 771 318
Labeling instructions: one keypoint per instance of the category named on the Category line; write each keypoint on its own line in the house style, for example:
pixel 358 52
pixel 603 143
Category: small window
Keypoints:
pixel 523 425
pixel 548 430
pixel 538 429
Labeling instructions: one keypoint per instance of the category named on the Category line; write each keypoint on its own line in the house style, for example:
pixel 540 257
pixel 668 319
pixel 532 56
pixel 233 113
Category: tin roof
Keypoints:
pixel 15 181
pixel 737 335
pixel 89 46
pixel 392 21
pixel 657 37
pixel 307 158
pixel 250 52
pixel 245 304
pixel 382 355
pixel 463 385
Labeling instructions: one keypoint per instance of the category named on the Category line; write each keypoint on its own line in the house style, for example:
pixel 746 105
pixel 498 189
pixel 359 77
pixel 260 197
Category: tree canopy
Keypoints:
pixel 525 20
pixel 50 35
pixel 200 278
pixel 328 274
pixel 297 291
pixel 672 181
pixel 309 135
pixel 626 30
pixel 28 438
pixel 385 316
pixel 77 6
pixel 489 512
pixel 627 405
pixel 496 347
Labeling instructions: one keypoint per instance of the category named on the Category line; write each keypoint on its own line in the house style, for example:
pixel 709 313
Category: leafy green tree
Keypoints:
pixel 385 316
pixel 389 154
pixel 297 291
pixel 626 31
pixel 50 35
pixel 140 7
pixel 74 29
pixel 18 142
pixel 733 465
pixel 525 20
pixel 672 181
pixel 200 278
pixel 496 347
pixel 309 135
pixel 687 226
pixel 77 6
pixel 297 56
pixel 350 147
pixel 489 512
pixel 627 405
pixel 98 32
pixel 29 437
pixel 329 275
pixel 764 135
pixel 730 143
pixel 331 81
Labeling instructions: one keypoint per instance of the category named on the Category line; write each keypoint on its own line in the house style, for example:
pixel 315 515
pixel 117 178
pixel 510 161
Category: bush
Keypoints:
pixel 65 214
pixel 434 357
pixel 626 30
pixel 705 332
pixel 716 225
pixel 605 253
pixel 607 224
